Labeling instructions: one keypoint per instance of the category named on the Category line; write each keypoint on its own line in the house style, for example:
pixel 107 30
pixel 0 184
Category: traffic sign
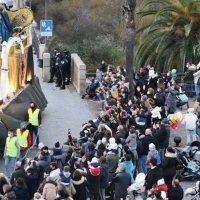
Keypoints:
pixel 46 27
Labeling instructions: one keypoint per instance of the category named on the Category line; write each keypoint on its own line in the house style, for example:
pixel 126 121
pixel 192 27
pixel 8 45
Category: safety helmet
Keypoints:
pixel 23 125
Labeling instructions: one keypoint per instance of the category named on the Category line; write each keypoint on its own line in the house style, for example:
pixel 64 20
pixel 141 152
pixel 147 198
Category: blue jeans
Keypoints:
pixel 9 160
pixel 197 90
pixel 34 129
pixel 144 167
pixel 22 154
pixel 189 134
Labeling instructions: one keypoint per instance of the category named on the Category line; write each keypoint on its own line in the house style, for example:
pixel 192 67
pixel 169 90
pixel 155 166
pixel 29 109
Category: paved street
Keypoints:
pixel 66 110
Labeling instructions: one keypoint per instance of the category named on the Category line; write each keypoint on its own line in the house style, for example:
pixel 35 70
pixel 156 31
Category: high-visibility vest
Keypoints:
pixel 22 138
pixel 11 148
pixel 33 116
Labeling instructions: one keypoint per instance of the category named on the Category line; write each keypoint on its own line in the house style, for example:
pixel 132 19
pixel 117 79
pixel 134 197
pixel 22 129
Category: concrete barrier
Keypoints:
pixel 46 67
pixel 78 70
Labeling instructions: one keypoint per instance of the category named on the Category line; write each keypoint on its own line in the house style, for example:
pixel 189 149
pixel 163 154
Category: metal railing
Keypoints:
pixel 36 42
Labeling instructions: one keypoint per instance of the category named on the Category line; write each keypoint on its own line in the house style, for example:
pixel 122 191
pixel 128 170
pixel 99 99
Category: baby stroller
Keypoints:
pixel 90 90
pixel 185 166
pixel 182 100
pixel 194 192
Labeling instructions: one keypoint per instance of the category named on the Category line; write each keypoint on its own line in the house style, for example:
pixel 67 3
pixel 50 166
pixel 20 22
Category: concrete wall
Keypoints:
pixel 78 70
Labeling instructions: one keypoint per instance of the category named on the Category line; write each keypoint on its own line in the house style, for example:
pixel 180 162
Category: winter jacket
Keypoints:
pixel 112 160
pixel 93 180
pixel 98 136
pixel 104 176
pixel 9 195
pixel 50 190
pixel 69 188
pixel 190 121
pixel 176 193
pixel 130 168
pixel 120 134
pixel 139 148
pixel 15 175
pixel 169 164
pixel 21 193
pixel 31 180
pixel 80 187
pixel 171 99
pixel 101 148
pixel 43 163
pixel 55 174
pixel 122 181
pixel 189 74
pixel 153 176
pixel 57 151
pixel 131 140
pixel 91 151
pixel 149 156
pixel 166 143
pixel 161 138
pixel 160 187
pixel 148 139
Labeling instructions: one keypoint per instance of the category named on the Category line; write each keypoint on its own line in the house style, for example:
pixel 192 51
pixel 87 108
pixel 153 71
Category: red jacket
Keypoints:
pixel 160 187
pixel 28 140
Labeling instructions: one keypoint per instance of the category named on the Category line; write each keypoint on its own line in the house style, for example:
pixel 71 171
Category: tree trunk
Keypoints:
pixel 129 15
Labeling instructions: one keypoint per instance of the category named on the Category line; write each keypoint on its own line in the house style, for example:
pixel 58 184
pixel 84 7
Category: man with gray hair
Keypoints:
pixel 122 181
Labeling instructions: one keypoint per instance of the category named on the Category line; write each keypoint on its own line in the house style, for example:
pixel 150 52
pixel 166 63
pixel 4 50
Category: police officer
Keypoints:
pixel 11 152
pixel 24 139
pixel 68 65
pixel 53 65
pixel 62 68
pixel 58 63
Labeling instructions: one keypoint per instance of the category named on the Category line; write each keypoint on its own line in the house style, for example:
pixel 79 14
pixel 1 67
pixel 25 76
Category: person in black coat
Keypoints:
pixel 148 139
pixel 177 191
pixel 79 183
pixel 161 135
pixel 31 177
pixel 154 174
pixel 68 64
pixel 104 176
pixel 21 190
pixel 169 169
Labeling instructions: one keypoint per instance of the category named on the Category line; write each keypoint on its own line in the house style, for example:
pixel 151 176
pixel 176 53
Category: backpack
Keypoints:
pixel 157 157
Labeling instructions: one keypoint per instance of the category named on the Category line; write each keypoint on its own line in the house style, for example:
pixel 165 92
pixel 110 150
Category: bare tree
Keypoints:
pixel 129 15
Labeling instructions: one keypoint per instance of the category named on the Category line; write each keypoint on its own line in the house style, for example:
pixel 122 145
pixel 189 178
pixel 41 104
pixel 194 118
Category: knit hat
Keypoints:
pixel 40 145
pixel 57 144
pixel 94 167
pixel 112 144
pixel 152 147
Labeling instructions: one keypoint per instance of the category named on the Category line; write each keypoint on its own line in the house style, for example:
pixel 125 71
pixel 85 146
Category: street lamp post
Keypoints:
pixel 46 16
pixel 30 1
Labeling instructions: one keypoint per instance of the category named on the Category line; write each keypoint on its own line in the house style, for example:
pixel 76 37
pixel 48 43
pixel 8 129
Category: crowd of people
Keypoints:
pixel 123 154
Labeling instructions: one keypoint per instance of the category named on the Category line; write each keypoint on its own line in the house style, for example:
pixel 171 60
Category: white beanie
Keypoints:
pixel 112 144
pixel 152 147
pixel 94 160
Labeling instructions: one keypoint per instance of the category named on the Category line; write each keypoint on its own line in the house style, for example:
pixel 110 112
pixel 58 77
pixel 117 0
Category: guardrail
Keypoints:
pixel 36 42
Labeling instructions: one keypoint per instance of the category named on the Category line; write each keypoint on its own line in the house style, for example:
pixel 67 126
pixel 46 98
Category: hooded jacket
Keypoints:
pixel 169 164
pixel 131 140
pixel 50 190
pixel 79 186
pixel 91 152
pixel 104 176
